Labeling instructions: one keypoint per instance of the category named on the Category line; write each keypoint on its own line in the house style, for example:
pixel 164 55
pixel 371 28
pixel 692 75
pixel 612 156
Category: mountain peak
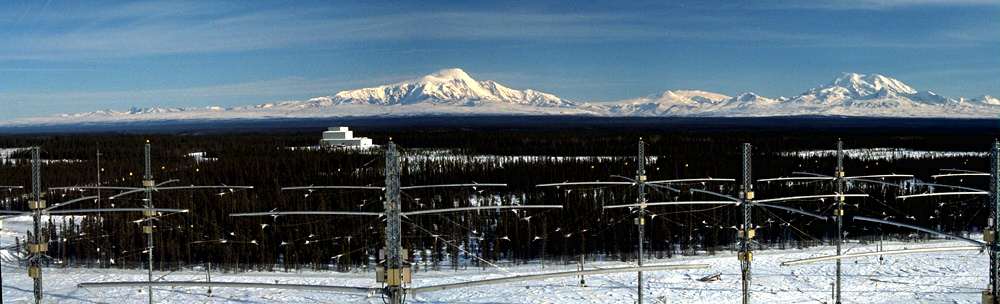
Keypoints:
pixel 990 100
pixel 450 73
pixel 748 97
pixel 451 86
pixel 862 85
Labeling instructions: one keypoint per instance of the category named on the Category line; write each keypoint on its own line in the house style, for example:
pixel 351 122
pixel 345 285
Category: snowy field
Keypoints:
pixel 954 277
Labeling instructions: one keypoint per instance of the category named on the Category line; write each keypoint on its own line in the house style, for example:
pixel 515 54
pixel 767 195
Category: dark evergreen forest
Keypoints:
pixel 520 157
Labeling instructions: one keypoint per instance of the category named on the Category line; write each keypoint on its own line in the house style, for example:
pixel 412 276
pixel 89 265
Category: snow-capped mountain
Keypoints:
pixel 134 111
pixel 987 100
pixel 668 103
pixel 454 92
pixel 877 95
pixel 446 87
pixel 851 94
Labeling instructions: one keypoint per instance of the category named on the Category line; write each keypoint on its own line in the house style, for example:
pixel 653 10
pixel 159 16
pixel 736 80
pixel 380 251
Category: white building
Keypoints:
pixel 342 137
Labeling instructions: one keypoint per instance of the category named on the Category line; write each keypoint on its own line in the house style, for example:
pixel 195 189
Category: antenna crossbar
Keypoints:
pixel 277 213
pixel 96 210
pixel 943 194
pixel 477 208
pixel 921 229
pixel 333 188
pixel 534 277
pixel 473 185
pixel 874 253
pixel 585 184
pixel 808 197
pixel 691 180
pixel 674 204
pixel 123 284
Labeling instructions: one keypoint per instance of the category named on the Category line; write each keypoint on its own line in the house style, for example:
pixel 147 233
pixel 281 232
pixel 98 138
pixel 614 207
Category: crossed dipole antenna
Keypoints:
pixel 639 183
pixel 38 246
pixel 394 290
pixel 394 274
pixel 746 200
pixel 150 213
pixel 394 278
pixel 840 180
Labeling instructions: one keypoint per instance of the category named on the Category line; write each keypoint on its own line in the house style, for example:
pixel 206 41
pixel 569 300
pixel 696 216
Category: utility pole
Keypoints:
pixel 992 296
pixel 147 228
pixel 39 245
pixel 640 175
pixel 393 242
pixel 748 232
pixel 839 212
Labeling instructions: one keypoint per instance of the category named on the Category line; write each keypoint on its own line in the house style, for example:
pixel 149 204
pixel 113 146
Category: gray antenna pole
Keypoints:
pixel 147 228
pixel 748 232
pixel 393 242
pixel 641 220
pixel 39 246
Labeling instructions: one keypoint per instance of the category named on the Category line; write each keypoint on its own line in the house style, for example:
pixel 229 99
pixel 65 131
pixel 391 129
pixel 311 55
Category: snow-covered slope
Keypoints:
pixel 449 87
pixel 944 277
pixel 454 92
pixel 680 102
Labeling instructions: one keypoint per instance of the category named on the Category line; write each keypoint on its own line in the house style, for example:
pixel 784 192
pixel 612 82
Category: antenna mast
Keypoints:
pixel 39 246
pixel 393 244
pixel 147 228
pixel 748 232
pixel 839 212
pixel 640 176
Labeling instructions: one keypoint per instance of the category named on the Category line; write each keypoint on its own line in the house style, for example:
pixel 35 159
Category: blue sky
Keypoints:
pixel 60 57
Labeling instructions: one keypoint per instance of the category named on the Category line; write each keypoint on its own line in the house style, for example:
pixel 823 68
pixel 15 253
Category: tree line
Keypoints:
pixel 522 159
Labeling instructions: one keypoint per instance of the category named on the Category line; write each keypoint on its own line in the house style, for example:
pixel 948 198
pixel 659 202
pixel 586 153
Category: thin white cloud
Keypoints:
pixel 870 4
pixel 158 28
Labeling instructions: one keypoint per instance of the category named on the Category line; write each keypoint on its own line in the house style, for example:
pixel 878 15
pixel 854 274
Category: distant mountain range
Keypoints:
pixel 454 92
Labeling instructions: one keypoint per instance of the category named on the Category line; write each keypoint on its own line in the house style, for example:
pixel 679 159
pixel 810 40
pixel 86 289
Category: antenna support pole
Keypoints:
pixel 839 213
pixel 147 228
pixel 641 220
pixel 393 241
pixel 38 245
pixel 748 231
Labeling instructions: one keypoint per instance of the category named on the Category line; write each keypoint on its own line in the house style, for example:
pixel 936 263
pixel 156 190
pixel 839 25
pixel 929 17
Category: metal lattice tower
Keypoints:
pixel 992 230
pixel 393 242
pixel 839 213
pixel 641 220
pixel 747 234
pixel 39 246
pixel 148 183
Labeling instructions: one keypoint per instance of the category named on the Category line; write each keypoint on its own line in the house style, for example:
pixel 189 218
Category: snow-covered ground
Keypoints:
pixel 955 277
